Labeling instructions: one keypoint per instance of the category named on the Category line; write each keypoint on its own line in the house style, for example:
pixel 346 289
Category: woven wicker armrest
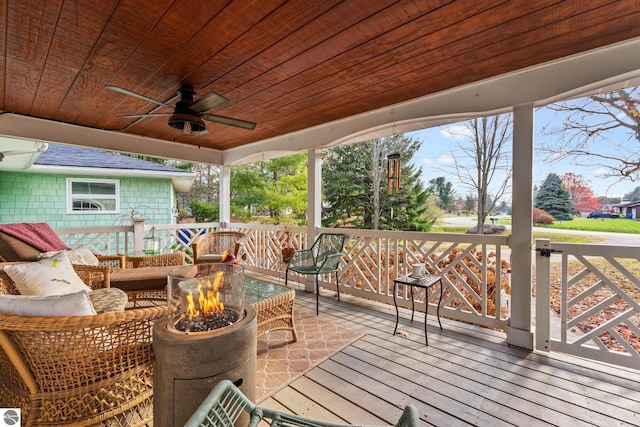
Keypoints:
pixel 7 287
pixel 80 370
pixel 112 261
pixel 94 276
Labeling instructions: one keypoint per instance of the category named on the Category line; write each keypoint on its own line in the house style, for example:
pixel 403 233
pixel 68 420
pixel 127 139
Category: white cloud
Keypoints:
pixel 427 161
pixel 445 160
pixel 600 172
pixel 456 132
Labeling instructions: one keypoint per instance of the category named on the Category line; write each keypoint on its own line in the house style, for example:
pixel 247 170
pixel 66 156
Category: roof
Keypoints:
pixel 68 159
pixel 290 66
pixel 78 157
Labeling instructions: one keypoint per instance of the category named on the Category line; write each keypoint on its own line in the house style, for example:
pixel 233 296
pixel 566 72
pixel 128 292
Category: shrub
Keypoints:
pixel 542 217
pixel 204 211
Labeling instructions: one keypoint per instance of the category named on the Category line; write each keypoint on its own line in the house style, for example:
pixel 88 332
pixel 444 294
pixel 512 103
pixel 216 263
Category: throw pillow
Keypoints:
pixel 76 304
pixel 49 276
pixel 108 300
pixel 80 256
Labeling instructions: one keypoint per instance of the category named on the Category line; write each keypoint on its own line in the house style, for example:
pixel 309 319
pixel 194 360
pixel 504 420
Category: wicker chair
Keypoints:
pixel 209 247
pixel 226 404
pixel 78 370
pixel 323 257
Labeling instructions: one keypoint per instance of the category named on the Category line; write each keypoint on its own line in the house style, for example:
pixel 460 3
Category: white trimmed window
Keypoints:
pixel 93 196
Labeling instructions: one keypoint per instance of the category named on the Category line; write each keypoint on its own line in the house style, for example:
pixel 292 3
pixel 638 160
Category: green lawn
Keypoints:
pixel 609 225
pixel 556 237
pixel 612 225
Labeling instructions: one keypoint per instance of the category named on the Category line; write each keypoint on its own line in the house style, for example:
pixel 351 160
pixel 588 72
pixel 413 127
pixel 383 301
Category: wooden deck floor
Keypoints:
pixel 466 376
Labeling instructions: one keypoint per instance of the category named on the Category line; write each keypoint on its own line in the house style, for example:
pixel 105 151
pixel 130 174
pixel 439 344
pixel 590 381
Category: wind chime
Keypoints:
pixel 393 173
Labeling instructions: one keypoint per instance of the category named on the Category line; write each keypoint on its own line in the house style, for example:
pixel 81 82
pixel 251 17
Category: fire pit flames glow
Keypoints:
pixel 205 297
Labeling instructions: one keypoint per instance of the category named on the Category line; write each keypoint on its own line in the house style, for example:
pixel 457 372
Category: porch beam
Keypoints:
pixel 519 330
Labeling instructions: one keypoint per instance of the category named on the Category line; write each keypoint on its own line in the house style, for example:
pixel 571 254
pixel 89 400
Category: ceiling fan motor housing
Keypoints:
pixel 184 118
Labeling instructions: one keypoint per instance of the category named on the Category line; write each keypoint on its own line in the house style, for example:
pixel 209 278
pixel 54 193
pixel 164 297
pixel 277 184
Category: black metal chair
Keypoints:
pixel 322 258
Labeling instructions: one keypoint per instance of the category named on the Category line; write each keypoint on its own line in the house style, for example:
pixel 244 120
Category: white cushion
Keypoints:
pixel 76 304
pixel 210 258
pixel 49 276
pixel 80 256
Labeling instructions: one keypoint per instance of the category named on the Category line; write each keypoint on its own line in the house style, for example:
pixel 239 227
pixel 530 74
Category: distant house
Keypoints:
pixel 629 209
pixel 68 186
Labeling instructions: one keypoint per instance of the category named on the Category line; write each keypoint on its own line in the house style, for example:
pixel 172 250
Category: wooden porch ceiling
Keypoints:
pixel 286 65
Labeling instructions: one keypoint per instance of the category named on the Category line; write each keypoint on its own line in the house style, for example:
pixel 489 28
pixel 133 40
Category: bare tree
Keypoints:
pixel 482 160
pixel 600 130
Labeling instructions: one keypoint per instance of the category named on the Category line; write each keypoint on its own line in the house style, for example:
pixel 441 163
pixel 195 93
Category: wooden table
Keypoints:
pixel 425 281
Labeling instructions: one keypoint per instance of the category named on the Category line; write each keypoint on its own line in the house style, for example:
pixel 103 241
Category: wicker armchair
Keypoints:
pixel 78 370
pixel 226 405
pixel 210 246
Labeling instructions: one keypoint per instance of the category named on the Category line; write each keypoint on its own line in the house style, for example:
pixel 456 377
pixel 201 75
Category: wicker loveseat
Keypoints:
pixel 78 370
pixel 142 284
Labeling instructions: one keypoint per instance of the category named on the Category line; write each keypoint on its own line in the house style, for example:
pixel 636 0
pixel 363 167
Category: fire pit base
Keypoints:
pixel 188 366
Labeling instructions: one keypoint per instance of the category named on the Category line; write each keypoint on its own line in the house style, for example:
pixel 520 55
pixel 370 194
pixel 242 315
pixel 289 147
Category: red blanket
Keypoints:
pixel 37 234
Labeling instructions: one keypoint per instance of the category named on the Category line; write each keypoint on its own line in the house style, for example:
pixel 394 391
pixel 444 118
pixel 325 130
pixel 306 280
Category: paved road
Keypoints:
pixel 621 239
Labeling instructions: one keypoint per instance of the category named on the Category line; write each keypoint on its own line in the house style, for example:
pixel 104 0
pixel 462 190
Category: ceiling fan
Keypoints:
pixel 188 113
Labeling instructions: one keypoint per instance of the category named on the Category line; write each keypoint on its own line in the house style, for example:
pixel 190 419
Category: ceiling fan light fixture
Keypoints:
pixel 187 123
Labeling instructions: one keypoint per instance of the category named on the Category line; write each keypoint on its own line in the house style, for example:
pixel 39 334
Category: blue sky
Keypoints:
pixel 435 153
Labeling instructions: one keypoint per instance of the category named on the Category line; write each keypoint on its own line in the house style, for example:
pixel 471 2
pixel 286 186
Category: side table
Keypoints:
pixel 425 282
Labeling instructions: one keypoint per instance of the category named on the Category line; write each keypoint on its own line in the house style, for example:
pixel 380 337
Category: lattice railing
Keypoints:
pixel 588 301
pixel 474 268
pixel 101 240
pixel 469 265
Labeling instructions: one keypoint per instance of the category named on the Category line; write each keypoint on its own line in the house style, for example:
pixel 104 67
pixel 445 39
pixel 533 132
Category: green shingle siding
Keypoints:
pixel 32 197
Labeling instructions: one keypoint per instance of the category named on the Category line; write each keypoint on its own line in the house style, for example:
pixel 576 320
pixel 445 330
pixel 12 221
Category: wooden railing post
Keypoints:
pixel 138 234
pixel 543 324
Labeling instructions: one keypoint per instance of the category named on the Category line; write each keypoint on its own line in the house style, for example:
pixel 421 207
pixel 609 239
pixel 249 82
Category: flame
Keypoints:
pixel 224 255
pixel 208 297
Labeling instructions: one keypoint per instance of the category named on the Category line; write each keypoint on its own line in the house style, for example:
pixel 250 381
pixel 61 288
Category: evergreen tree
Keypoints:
pixel 470 203
pixel 443 189
pixel 553 198
pixel 355 187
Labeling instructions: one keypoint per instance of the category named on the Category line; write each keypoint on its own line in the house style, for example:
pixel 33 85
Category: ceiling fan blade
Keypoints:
pixel 229 121
pixel 137 95
pixel 208 101
pixel 137 116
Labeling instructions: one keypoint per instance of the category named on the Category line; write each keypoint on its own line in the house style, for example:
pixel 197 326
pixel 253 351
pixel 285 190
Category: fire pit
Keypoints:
pixel 205 297
pixel 209 335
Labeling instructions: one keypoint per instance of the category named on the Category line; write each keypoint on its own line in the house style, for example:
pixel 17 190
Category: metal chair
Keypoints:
pixel 322 258
pixel 226 404
pixel 209 247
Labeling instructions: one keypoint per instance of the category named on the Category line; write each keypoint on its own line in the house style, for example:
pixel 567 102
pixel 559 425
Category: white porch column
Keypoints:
pixel 519 330
pixel 314 202
pixel 224 196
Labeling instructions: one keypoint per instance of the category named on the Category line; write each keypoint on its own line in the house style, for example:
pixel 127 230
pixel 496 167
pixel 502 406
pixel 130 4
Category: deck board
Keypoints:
pixel 323 385
pixel 466 376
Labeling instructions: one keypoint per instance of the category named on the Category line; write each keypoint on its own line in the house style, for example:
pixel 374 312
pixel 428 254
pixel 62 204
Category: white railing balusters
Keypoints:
pixel 370 262
pixel 598 318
